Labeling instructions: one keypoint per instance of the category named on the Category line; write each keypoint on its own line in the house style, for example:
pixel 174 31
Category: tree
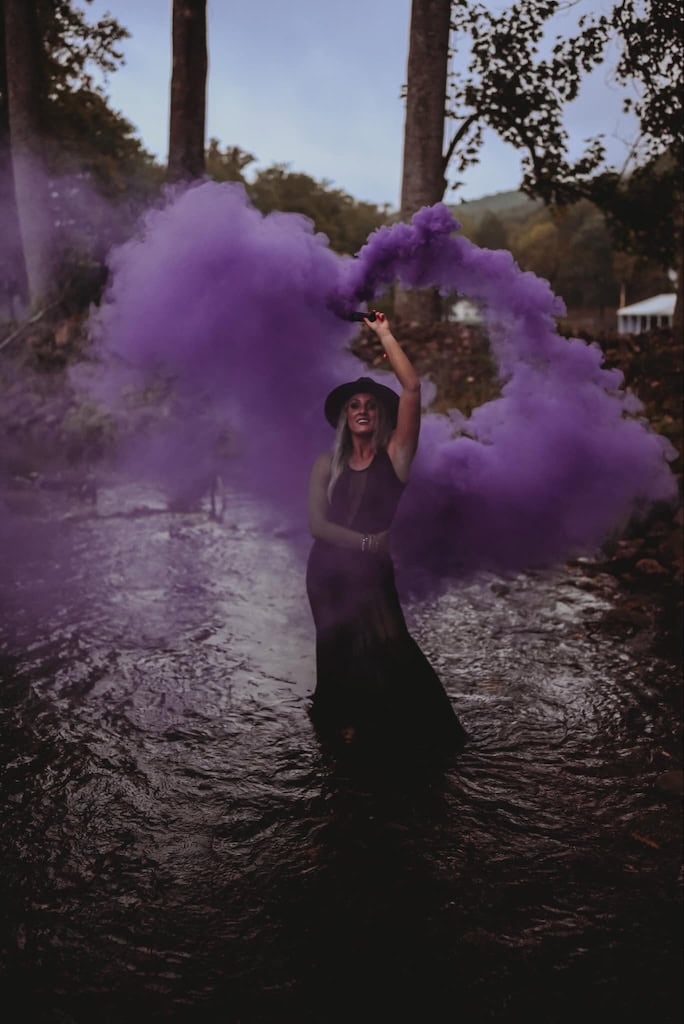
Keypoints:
pixel 84 136
pixel 346 221
pixel 536 248
pixel 13 284
pixel 584 275
pixel 25 70
pixel 60 124
pixel 509 88
pixel 423 181
pixel 188 90
pixel 229 164
pixel 491 232
pixel 644 212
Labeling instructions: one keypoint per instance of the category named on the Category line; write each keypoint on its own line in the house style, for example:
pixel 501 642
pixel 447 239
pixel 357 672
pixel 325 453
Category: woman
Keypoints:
pixel 373 682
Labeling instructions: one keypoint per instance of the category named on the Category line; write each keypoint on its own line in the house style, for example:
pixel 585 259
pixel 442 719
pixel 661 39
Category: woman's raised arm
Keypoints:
pixel 404 441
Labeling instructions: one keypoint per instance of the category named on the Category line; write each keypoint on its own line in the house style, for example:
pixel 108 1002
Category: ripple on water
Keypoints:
pixel 175 840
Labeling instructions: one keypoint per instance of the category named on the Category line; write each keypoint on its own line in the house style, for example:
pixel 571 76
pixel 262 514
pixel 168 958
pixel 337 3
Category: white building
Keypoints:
pixel 647 315
pixel 463 311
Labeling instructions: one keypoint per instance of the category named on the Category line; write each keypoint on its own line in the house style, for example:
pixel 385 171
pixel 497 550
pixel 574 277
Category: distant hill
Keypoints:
pixel 508 206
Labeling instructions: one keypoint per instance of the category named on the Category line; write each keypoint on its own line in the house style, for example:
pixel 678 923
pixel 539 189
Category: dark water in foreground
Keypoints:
pixel 175 846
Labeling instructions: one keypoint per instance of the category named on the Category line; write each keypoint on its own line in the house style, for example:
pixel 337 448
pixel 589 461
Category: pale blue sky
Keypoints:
pixel 316 84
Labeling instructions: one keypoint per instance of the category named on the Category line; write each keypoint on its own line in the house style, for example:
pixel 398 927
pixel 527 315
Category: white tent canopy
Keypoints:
pixel 657 311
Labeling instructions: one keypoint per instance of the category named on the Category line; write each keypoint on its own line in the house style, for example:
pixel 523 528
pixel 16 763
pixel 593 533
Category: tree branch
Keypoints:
pixel 468 123
pixel 27 323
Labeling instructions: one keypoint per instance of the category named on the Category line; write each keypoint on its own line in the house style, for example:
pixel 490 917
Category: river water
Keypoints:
pixel 176 847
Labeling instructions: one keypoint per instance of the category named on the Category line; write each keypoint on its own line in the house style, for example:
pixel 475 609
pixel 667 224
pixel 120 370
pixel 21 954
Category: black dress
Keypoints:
pixel 371 674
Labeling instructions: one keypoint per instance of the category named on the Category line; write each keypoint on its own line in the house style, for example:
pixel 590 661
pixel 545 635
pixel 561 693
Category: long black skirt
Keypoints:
pixel 371 676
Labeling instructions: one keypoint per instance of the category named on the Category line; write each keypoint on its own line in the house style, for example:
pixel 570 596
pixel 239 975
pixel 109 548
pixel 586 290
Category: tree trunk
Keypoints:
pixel 188 90
pixel 13 285
pixel 423 181
pixel 678 319
pixel 26 96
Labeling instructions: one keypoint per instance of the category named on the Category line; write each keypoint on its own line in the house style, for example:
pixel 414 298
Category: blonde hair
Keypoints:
pixel 342 446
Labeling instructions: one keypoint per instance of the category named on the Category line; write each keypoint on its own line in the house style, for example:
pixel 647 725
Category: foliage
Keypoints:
pixel 89 137
pixel 571 246
pixel 641 209
pixel 100 175
pixel 73 46
pixel 653 58
pixel 510 88
pixel 227 165
pixel 82 132
pixel 573 251
pixel 491 232
pixel 346 221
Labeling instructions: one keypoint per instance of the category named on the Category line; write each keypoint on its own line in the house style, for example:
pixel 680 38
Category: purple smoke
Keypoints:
pixel 230 305
pixel 239 310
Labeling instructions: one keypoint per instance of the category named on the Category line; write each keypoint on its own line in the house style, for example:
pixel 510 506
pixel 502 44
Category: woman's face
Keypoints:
pixel 362 414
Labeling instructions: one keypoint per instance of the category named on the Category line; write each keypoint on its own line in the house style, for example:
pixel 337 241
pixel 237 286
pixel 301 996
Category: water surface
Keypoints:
pixel 176 847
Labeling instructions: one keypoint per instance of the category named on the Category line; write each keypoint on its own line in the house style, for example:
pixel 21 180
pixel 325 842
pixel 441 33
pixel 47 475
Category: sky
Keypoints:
pixel 316 84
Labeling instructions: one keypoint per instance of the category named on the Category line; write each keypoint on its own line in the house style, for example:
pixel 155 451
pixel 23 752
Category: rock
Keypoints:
pixel 649 567
pixel 671 782
pixel 624 620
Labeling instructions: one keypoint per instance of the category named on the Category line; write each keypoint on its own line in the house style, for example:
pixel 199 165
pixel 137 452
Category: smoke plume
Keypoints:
pixel 241 313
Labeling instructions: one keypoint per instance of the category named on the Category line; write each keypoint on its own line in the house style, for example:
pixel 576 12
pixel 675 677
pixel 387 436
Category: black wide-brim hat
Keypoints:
pixel 335 401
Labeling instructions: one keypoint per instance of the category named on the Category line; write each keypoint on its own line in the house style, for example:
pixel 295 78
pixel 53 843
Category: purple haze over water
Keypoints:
pixel 240 310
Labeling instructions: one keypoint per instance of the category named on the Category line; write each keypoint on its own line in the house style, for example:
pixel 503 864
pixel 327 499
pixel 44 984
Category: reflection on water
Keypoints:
pixel 177 847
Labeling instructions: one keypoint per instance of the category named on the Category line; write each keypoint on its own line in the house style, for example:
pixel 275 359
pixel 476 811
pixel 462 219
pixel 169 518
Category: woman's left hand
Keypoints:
pixel 380 543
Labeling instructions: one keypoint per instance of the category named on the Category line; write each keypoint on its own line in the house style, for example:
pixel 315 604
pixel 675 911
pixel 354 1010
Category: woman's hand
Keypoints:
pixel 375 543
pixel 379 326
pixel 380 543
